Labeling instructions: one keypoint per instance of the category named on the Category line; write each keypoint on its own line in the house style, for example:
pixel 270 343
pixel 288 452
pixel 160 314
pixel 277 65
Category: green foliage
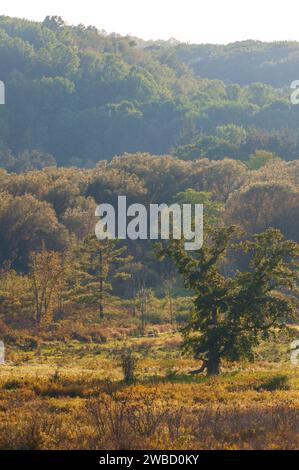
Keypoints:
pixel 212 209
pixel 278 382
pixel 265 204
pixel 85 96
pixel 95 264
pixel 15 296
pixel 261 158
pixel 128 362
pixel 233 312
pixel 26 224
pixel 47 281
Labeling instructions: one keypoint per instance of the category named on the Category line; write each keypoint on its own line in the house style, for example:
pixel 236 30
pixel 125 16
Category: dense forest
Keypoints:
pixel 190 128
pixel 53 209
pixel 76 95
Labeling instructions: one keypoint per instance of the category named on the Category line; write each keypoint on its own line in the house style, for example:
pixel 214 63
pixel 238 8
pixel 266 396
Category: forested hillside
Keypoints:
pixel 244 62
pixel 76 95
pixel 101 340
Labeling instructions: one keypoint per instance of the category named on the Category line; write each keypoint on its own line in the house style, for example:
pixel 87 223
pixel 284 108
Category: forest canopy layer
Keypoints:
pixel 76 95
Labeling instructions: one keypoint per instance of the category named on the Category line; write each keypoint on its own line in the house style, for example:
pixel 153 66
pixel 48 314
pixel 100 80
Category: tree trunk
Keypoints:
pixel 101 306
pixel 213 363
pixel 143 311
pixel 38 316
pixel 213 366
pixel 171 309
pixel 133 297
pixel 199 371
pixel 101 297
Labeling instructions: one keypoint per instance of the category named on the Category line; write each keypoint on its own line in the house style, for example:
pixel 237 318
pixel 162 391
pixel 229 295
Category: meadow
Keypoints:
pixel 71 394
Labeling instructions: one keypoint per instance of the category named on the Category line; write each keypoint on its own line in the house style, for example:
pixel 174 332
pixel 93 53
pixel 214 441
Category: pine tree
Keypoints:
pixel 96 264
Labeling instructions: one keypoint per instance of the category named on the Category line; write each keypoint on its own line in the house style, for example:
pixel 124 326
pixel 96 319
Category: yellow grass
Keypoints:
pixel 71 396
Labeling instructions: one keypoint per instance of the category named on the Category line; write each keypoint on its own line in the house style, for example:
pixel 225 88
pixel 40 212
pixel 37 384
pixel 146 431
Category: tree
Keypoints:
pixel 15 295
pixel 233 134
pixel 212 209
pixel 96 263
pixel 53 22
pixel 221 178
pixel 27 224
pixel 79 220
pixel 109 183
pixel 46 277
pixel 258 206
pixel 261 158
pixel 162 177
pixel 34 160
pixel 232 313
pixel 168 290
pixel 142 302
pixel 134 271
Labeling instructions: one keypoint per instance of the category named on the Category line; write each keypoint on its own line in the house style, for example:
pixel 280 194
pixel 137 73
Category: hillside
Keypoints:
pixel 78 95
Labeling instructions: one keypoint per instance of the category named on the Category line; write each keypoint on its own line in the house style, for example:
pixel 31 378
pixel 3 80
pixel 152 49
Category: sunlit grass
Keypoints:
pixel 49 397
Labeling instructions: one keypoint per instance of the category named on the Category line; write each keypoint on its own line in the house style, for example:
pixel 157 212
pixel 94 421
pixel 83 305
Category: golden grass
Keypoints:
pixel 70 395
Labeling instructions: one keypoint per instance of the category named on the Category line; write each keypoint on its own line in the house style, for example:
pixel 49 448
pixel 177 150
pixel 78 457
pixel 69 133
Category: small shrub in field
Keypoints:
pixel 12 385
pixel 279 382
pixel 83 338
pixel 128 421
pixel 98 338
pixel 17 338
pixel 25 436
pixel 56 377
pixel 128 362
pixel 171 375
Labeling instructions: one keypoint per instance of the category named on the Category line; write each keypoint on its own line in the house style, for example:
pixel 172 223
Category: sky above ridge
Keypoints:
pixel 195 21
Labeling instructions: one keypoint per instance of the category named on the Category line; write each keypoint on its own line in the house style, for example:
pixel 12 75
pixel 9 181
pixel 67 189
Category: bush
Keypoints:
pixel 279 382
pixel 12 385
pixel 128 362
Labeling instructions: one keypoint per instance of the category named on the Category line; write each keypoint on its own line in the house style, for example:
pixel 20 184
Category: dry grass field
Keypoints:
pixel 71 395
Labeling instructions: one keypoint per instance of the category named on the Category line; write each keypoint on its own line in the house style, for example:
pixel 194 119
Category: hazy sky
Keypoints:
pixel 215 21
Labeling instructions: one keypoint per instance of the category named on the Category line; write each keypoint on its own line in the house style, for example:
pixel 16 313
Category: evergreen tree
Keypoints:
pixel 96 264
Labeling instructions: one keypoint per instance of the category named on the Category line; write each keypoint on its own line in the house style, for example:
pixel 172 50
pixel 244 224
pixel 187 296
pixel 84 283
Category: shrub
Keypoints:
pixel 279 382
pixel 128 362
pixel 12 385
